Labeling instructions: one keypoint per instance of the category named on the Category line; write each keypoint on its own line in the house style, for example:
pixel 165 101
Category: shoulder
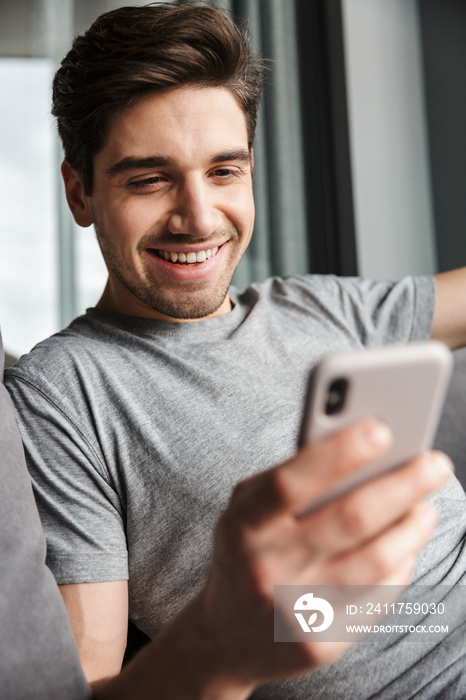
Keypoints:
pixel 334 292
pixel 59 361
pixel 294 289
pixel 321 286
pixel 372 312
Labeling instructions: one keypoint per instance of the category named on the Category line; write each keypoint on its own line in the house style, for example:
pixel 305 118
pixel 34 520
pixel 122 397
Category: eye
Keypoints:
pixel 147 183
pixel 226 173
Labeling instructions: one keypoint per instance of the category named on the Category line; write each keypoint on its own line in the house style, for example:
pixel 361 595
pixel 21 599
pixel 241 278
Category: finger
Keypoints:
pixel 376 505
pixel 402 575
pixel 382 559
pixel 304 561
pixel 315 469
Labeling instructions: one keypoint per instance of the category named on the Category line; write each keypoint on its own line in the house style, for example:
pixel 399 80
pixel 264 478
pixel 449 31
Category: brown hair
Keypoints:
pixel 133 51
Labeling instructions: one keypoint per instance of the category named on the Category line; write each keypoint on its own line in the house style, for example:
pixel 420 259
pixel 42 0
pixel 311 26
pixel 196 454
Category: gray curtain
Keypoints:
pixel 303 188
pixel 279 245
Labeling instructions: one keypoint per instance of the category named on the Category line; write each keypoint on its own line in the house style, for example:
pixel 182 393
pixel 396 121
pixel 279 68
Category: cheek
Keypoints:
pixel 240 210
pixel 129 222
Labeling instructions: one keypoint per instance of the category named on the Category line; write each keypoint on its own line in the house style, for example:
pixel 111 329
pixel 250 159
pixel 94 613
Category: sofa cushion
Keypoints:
pixel 38 656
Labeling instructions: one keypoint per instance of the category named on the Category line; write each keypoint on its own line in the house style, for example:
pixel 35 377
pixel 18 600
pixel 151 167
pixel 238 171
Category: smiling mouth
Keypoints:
pixel 189 258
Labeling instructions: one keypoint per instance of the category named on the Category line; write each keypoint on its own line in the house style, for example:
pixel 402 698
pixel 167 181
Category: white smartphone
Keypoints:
pixel 403 386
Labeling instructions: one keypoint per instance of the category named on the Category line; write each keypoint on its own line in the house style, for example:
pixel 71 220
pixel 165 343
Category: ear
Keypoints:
pixel 78 202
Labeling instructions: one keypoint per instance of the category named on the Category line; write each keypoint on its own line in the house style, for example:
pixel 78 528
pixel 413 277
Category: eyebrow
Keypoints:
pixel 241 154
pixel 134 163
pixel 149 162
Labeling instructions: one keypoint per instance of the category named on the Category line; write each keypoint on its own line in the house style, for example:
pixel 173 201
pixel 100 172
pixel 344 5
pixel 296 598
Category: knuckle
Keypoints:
pixel 261 579
pixel 228 535
pixel 349 445
pixel 261 494
pixel 356 521
pixel 379 563
pixel 279 486
pixel 238 492
pixel 363 442
pixel 242 507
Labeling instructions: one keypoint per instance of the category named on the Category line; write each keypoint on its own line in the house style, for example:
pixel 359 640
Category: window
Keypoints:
pixel 39 293
pixel 28 194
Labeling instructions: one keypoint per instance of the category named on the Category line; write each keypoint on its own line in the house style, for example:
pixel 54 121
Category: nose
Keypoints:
pixel 194 212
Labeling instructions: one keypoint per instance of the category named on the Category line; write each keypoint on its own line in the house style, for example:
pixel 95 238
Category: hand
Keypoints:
pixel 369 536
pixel 221 645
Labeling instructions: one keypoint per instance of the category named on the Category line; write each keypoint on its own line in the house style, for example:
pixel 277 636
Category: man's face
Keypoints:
pixel 172 204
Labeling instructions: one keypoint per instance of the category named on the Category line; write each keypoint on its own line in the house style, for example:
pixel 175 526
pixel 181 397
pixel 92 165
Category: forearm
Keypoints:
pixel 449 323
pixel 98 614
pixel 182 662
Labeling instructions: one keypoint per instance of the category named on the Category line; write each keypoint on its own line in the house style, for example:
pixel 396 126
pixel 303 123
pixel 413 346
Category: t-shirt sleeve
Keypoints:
pixel 390 312
pixel 371 312
pixel 82 513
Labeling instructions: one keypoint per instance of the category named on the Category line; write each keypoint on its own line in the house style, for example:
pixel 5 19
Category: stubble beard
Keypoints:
pixel 174 304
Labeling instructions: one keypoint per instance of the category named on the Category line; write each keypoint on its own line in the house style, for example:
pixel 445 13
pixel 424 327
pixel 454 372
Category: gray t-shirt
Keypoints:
pixel 38 655
pixel 137 430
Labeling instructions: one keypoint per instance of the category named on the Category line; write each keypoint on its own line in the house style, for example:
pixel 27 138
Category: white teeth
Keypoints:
pixel 190 257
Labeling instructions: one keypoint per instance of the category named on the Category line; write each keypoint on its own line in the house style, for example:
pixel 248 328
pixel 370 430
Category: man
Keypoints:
pixel 139 419
pixel 39 658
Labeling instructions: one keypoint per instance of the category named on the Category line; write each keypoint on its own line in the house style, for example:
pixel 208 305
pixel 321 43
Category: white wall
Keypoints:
pixel 388 136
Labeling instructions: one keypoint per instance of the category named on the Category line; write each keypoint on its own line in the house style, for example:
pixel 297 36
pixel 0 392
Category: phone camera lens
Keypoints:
pixel 336 396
